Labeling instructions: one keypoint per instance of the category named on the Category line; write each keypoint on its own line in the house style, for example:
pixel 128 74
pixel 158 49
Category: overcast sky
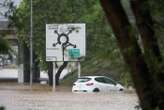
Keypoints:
pixel 16 1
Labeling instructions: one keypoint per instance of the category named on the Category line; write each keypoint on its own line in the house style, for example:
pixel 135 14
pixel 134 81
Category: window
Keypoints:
pixel 83 80
pixel 109 81
pixel 105 80
pixel 100 79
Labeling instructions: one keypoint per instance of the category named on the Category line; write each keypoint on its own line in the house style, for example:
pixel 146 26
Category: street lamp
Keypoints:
pixel 31 43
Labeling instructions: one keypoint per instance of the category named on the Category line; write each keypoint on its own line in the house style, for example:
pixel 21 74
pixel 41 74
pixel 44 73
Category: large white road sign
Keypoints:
pixel 65 42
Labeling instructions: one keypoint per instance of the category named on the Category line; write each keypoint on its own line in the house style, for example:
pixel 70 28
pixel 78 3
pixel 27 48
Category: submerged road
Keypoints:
pixel 20 97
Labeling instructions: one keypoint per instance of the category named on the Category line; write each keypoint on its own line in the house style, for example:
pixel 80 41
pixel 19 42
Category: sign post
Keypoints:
pixel 31 44
pixel 79 69
pixel 54 77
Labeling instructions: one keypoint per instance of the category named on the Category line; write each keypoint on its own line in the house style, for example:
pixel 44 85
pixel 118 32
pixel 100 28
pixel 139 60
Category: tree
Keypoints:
pixel 21 20
pixel 153 57
pixel 144 77
pixel 2 108
pixel 4 46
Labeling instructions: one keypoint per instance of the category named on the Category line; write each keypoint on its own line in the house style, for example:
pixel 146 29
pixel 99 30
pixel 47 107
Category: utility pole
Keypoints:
pixel 31 43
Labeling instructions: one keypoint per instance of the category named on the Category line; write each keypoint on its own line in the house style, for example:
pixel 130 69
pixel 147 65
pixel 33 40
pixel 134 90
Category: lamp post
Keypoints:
pixel 31 43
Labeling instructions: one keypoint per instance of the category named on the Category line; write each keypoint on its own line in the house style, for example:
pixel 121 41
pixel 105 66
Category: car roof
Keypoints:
pixel 91 76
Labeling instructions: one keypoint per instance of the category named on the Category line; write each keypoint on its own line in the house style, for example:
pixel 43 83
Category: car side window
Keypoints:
pixel 100 80
pixel 105 80
pixel 109 81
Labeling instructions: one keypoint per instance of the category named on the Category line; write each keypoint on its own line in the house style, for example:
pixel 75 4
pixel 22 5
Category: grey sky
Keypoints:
pixel 16 1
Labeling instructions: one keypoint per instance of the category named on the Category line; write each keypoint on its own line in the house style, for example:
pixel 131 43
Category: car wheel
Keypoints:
pixel 121 89
pixel 96 90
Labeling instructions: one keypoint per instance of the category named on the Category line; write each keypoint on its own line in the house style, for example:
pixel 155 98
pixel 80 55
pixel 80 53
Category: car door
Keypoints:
pixel 110 84
pixel 100 84
pixel 81 83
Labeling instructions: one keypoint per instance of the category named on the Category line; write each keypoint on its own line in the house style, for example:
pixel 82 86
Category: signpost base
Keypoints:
pixel 54 77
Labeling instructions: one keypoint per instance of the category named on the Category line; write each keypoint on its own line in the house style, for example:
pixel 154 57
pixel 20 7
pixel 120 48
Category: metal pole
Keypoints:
pixel 54 77
pixel 79 69
pixel 31 43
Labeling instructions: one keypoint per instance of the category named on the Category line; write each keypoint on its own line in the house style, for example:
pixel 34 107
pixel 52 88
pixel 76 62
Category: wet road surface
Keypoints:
pixel 20 97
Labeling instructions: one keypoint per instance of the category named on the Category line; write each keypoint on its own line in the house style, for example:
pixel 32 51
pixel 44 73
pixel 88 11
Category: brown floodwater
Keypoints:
pixel 41 97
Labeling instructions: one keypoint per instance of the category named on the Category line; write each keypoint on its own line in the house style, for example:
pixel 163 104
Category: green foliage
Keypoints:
pixel 4 46
pixel 157 9
pixel 2 108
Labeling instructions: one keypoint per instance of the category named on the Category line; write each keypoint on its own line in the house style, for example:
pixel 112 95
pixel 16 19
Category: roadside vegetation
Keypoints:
pixel 4 46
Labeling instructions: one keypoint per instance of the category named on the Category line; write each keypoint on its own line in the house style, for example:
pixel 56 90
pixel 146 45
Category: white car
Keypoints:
pixel 96 84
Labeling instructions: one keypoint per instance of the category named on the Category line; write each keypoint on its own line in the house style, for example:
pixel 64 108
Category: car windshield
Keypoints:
pixel 83 80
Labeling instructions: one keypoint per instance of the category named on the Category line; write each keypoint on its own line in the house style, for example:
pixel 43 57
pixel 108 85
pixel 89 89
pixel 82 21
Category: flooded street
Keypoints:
pixel 20 97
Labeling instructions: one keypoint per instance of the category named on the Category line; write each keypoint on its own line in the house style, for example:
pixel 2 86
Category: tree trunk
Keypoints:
pixel 60 71
pixel 20 54
pixel 50 73
pixel 145 26
pixel 131 52
pixel 151 49
pixel 26 60
pixel 36 69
